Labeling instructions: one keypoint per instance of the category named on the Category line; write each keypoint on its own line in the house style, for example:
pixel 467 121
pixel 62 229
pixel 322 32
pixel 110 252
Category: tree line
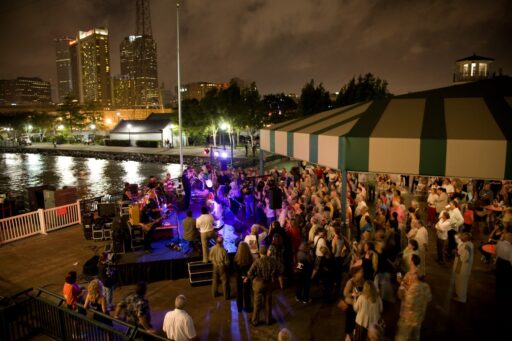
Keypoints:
pixel 232 110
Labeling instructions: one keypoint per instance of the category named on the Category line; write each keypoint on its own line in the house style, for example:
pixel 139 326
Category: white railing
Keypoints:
pixel 59 217
pixel 19 226
pixel 39 222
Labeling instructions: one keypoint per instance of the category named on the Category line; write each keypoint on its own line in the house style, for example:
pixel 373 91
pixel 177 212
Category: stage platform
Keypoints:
pixel 164 262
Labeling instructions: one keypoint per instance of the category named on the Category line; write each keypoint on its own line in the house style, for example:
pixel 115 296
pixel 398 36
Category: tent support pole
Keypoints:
pixel 344 189
pixel 344 202
pixel 261 162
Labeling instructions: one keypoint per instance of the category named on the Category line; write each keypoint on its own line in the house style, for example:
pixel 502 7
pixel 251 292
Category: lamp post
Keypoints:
pixel 129 126
pixel 93 127
pixel 179 81
pixel 227 127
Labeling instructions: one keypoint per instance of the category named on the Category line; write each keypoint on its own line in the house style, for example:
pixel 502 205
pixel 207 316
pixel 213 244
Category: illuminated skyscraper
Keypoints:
pixel 138 59
pixel 90 67
pixel 63 60
pixel 138 62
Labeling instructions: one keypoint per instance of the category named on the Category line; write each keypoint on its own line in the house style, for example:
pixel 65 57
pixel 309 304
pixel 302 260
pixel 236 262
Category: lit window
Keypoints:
pixel 465 70
pixel 473 69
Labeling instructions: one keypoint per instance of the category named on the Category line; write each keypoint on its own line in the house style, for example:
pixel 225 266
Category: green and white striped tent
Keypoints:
pixel 459 131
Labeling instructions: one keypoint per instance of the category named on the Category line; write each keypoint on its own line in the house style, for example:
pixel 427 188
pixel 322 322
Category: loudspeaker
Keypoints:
pixel 90 267
pixel 107 209
pixel 275 198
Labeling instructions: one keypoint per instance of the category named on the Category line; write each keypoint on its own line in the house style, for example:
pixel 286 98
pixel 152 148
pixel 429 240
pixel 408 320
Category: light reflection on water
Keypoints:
pixel 92 177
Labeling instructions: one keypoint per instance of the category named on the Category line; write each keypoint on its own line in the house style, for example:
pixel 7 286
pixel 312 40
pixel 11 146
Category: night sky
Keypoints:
pixel 280 44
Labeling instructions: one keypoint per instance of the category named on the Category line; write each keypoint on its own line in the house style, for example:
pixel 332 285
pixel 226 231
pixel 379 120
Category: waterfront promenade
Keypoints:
pixel 194 151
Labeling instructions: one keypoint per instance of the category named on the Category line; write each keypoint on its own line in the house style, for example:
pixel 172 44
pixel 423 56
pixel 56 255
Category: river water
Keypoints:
pixel 92 177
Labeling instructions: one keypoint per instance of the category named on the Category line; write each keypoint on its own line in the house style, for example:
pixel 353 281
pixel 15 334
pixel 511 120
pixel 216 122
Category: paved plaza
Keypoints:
pixel 42 261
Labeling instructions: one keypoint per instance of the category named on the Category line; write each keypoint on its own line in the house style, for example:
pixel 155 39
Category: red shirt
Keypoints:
pixel 71 293
pixel 468 217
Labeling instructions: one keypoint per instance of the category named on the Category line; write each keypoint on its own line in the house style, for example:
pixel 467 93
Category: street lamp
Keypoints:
pixel 172 126
pixel 227 127
pixel 60 127
pixel 129 126
pixel 223 126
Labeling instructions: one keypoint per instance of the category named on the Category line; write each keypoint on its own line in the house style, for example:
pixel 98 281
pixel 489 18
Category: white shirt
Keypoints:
pixel 432 198
pixel 319 242
pixel 456 218
pixel 205 223
pixel 449 188
pixel 178 325
pixel 368 312
pixel 442 228
pixel 422 237
pixel 504 250
pixel 250 239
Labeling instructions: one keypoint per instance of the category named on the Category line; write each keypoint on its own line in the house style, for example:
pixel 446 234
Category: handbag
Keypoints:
pixel 343 305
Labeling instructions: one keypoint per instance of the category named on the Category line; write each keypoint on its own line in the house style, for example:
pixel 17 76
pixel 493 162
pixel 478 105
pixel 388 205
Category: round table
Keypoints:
pixel 489 248
pixel 495 208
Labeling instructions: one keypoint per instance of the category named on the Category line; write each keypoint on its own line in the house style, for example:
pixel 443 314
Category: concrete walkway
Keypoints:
pixel 189 151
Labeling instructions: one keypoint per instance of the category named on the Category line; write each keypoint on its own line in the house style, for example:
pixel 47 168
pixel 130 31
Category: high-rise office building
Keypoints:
pixel 138 62
pixel 123 89
pixel 63 60
pixel 90 67
pixel 198 90
pixel 25 91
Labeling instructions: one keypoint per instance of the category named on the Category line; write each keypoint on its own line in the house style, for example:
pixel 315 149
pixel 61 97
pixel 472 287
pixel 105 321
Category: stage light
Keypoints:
pixel 216 154
pixel 224 155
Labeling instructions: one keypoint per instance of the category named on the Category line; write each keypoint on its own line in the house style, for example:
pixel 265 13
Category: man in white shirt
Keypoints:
pixel 422 239
pixel 442 227
pixel 205 224
pixel 456 220
pixel 255 240
pixel 178 325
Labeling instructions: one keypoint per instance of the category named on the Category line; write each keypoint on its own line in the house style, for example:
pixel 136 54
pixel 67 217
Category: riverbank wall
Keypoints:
pixel 190 160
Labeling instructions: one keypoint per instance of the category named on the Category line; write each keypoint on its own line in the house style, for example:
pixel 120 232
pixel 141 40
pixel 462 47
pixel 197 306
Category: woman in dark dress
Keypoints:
pixel 243 261
pixel 370 261
pixel 96 301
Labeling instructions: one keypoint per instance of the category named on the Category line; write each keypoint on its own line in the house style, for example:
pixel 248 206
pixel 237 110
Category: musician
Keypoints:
pixel 170 191
pixel 127 192
pixel 155 184
pixel 151 213
pixel 187 188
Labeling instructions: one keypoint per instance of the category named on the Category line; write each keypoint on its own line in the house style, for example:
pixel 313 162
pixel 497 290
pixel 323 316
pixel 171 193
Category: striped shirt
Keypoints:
pixel 265 268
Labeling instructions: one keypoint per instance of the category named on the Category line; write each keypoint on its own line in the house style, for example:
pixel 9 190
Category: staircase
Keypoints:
pixel 200 273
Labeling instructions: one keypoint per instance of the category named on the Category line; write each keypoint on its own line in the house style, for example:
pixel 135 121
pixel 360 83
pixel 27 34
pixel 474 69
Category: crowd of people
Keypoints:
pixel 374 259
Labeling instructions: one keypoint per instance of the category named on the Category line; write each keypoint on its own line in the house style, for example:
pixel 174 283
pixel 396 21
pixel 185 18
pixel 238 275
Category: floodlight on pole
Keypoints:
pixel 179 80
pixel 224 126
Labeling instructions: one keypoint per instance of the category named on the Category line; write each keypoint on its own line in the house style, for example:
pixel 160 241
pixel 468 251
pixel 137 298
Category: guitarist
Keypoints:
pixel 151 214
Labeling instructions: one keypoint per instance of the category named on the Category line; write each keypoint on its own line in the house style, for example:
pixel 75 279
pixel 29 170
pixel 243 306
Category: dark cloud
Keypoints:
pixel 279 44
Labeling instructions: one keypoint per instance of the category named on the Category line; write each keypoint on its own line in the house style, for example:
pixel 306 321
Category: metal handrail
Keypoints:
pixel 131 332
pixel 62 300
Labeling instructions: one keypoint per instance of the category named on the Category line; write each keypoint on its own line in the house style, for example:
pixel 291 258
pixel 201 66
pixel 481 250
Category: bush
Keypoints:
pixel 117 143
pixel 147 144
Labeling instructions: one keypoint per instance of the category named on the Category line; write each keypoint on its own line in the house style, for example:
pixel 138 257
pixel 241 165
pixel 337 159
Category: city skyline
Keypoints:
pixel 281 45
